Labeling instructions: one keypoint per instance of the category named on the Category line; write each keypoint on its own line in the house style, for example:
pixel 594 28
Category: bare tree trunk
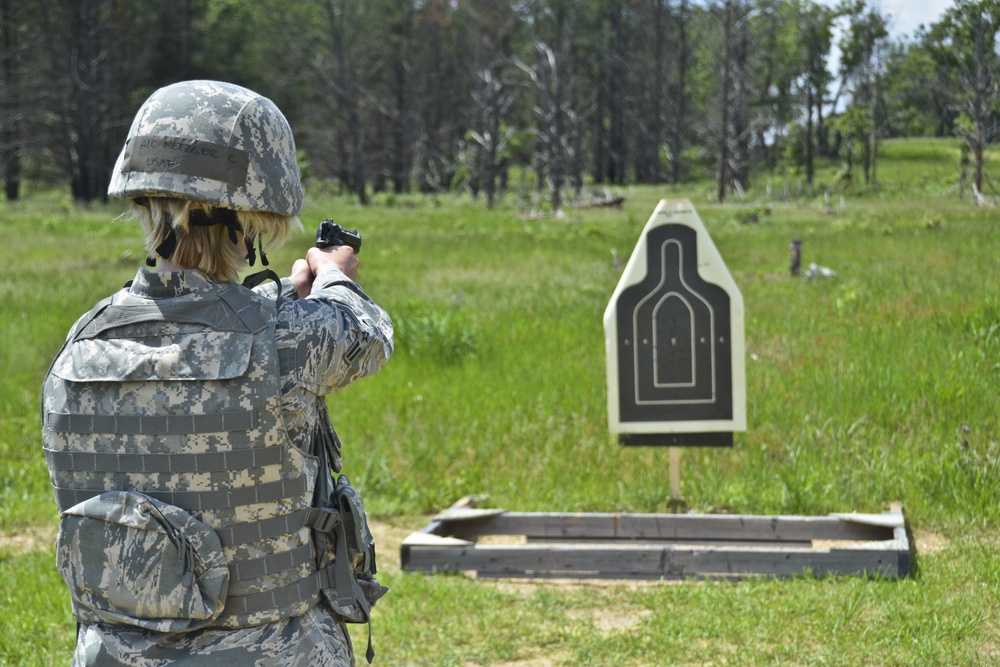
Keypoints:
pixel 492 102
pixel 979 106
pixel 875 130
pixel 740 116
pixel 822 138
pixel 600 142
pixel 546 77
pixel 556 170
pixel 347 90
pixel 679 94
pixel 722 158
pixel 647 81
pixel 809 133
pixel 617 99
pixel 866 158
pixel 400 127
pixel 10 111
pixel 556 122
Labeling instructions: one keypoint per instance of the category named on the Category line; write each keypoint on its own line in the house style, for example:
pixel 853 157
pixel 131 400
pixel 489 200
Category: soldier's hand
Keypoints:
pixel 333 257
pixel 317 260
pixel 302 278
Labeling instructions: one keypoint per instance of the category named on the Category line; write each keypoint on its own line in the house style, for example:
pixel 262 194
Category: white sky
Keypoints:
pixel 906 15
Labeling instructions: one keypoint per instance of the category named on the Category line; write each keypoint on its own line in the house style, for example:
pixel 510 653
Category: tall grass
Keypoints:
pixel 875 385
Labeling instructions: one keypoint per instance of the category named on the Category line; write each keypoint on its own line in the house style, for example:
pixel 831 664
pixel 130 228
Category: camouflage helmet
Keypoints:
pixel 211 142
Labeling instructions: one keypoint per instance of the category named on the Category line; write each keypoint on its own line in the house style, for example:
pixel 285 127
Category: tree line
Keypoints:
pixel 440 95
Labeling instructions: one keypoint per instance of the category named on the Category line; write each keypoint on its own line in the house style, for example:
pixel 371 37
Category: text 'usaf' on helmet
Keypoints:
pixel 211 142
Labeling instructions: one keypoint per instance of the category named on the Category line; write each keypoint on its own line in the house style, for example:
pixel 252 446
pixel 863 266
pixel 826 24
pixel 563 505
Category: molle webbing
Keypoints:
pixel 275 526
pixel 218 422
pixel 239 459
pixel 277 598
pixel 273 564
pixel 199 501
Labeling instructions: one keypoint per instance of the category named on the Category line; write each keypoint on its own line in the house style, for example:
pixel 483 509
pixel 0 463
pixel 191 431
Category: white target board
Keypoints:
pixel 674 338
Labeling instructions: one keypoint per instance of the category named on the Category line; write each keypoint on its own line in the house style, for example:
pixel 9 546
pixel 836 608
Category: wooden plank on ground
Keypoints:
pixel 650 561
pixel 660 545
pixel 549 526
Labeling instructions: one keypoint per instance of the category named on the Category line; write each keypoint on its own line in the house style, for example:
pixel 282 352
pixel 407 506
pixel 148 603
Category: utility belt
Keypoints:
pixel 129 558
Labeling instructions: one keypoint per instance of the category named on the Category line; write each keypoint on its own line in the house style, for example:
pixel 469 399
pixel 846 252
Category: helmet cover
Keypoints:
pixel 211 142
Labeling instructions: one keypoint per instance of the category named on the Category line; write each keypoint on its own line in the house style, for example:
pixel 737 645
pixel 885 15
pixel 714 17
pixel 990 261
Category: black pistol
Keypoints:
pixel 330 233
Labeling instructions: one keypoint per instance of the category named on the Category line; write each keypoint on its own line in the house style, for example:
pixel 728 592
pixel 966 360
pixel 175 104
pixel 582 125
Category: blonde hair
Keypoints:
pixel 208 248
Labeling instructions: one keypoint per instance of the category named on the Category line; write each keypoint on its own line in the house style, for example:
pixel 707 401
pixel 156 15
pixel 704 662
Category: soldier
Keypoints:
pixel 184 420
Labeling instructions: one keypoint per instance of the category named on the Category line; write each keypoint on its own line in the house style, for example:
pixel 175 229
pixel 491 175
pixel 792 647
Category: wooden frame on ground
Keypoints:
pixel 658 546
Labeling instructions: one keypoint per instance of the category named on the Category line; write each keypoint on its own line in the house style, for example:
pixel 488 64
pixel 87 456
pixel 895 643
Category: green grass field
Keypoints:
pixel 876 385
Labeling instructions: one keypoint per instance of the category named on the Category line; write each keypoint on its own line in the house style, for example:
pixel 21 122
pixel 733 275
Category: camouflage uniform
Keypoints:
pixel 128 374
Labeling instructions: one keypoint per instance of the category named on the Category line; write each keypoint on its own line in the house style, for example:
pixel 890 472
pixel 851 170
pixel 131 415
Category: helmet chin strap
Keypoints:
pixel 199 218
pixel 255 279
pixel 251 256
pixel 229 219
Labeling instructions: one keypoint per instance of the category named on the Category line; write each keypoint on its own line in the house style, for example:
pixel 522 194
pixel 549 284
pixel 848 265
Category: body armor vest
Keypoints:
pixel 178 399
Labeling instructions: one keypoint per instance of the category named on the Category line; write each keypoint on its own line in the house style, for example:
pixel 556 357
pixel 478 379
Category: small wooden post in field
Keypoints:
pixel 675 478
pixel 795 263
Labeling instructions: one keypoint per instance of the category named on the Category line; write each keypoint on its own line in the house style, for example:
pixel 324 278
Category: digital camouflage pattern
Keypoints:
pixel 211 142
pixel 104 554
pixel 142 361
pixel 314 639
pixel 133 402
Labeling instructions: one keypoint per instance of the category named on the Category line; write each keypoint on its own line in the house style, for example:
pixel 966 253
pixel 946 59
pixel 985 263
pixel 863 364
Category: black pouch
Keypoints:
pixel 349 545
pixel 355 567
pixel 352 535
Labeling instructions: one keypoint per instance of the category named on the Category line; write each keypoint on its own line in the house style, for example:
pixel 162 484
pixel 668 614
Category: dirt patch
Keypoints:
pixel 838 544
pixel 388 540
pixel 611 621
pixel 930 543
pixel 35 538
pixel 526 587
pixel 534 661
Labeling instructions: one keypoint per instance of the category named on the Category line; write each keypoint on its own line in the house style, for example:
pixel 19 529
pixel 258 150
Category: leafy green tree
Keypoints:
pixel 780 65
pixel 389 94
pixel 654 56
pixel 816 24
pixel 349 68
pixel 443 81
pixel 853 127
pixel 862 64
pixel 969 30
pixel 920 85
